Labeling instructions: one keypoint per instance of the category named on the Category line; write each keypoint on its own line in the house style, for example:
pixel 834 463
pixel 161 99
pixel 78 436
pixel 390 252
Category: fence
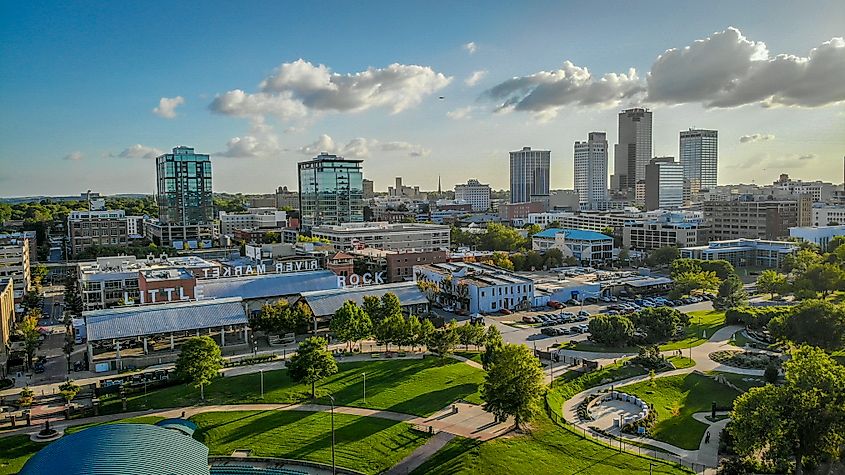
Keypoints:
pixel 622 445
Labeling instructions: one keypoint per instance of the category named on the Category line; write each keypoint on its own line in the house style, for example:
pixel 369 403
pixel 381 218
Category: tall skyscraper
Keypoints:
pixel 699 154
pixel 664 184
pixel 591 170
pixel 633 150
pixel 530 175
pixel 330 191
pixel 185 200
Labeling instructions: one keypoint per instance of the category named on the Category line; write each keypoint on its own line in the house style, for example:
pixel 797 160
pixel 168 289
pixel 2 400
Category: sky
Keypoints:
pixel 91 92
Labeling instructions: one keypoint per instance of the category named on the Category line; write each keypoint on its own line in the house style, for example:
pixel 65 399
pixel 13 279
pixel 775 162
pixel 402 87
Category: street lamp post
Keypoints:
pixel 333 465
pixel 365 388
pixel 261 372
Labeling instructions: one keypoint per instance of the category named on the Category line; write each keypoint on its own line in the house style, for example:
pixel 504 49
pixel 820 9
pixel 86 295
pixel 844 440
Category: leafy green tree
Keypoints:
pixel 663 256
pixel 68 390
pixel 771 373
pixel 731 294
pixel 390 330
pixel 28 328
pixel 424 335
pixel 813 322
pixel 443 340
pixel 312 362
pixel 771 282
pixel 611 330
pixel 824 278
pixel 723 269
pixel 372 307
pixel 834 243
pixel 493 342
pixel 390 305
pixel 682 266
pixel 802 419
pixel 501 259
pixel 688 282
pixel 350 324
pixel 73 299
pixel 513 385
pixel 470 334
pixel 26 397
pixel 39 272
pixel 799 262
pixel 199 362
pixel 32 301
pixel 501 238
pixel 553 258
pixel 411 332
pixel 659 323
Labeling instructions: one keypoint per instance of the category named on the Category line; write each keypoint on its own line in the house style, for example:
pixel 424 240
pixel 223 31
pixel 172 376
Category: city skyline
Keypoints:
pixel 259 98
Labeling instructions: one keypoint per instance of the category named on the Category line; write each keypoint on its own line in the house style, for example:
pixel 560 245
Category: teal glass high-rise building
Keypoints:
pixel 330 191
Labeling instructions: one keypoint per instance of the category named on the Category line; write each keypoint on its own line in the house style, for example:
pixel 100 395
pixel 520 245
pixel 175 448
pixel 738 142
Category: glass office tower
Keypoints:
pixel 330 191
pixel 184 187
pixel 699 154
pixel 529 175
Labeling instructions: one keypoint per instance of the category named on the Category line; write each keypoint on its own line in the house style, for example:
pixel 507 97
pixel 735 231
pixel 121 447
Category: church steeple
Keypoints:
pixel 439 190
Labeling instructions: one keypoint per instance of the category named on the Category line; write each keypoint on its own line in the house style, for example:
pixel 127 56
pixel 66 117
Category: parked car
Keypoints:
pixel 584 328
pixel 548 331
pixel 591 300
pixel 529 319
pixel 573 302
pixel 554 304
pixel 565 331
pixel 581 318
pixel 583 313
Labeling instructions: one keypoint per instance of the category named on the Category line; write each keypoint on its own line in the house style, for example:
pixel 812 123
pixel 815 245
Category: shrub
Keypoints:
pixel 755 317
pixel 771 373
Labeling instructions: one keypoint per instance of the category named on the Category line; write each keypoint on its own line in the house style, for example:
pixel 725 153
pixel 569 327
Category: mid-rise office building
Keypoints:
pixel 664 184
pixel 86 229
pixel 402 191
pixel 474 193
pixel 756 217
pixel 286 199
pixel 381 235
pixel 743 252
pixel 367 186
pixel 135 226
pixel 633 150
pixel 828 215
pixel 330 191
pixel 14 264
pixel 668 230
pixel 529 173
pixel 269 219
pixel 591 170
pixel 185 200
pixel 698 151
pixel 589 247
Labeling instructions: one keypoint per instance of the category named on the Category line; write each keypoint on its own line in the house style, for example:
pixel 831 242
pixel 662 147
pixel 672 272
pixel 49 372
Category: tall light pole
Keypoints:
pixel 333 465
pixel 261 372
pixel 365 388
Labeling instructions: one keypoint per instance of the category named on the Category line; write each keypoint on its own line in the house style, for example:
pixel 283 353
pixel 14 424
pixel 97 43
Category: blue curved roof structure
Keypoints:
pixel 111 449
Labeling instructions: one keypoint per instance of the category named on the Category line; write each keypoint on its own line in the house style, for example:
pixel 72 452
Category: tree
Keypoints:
pixel 731 294
pixel 199 362
pixel 443 340
pixel 611 330
pixel 663 256
pixel 553 258
pixel 771 373
pixel 813 322
pixel 280 317
pixel 804 418
pixel 471 334
pixel 799 262
pixel 312 362
pixel 824 278
pixel 372 307
pixel 659 323
pixel 350 324
pixel 73 299
pixel 501 259
pixel 688 282
pixel 68 390
pixel 513 385
pixel 624 255
pixel 501 238
pixel 26 397
pixel 834 243
pixel 493 342
pixel 28 328
pixel 426 330
pixel 682 266
pixel 411 332
pixel 771 282
pixel 39 272
pixel 32 301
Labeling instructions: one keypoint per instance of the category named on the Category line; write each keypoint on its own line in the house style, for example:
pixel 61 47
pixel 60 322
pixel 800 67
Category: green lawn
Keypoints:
pixel 739 339
pixel 470 355
pixel 547 449
pixel 710 321
pixel 413 386
pixel 676 399
pixel 365 444
pixel 743 382
pixel 573 382
pixel 17 449
pixel 681 362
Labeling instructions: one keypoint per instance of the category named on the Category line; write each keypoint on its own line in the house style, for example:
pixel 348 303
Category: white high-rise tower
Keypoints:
pixel 698 151
pixel 591 170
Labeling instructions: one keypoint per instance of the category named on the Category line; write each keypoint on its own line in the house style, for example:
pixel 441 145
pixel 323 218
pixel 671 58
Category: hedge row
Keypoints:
pixel 756 317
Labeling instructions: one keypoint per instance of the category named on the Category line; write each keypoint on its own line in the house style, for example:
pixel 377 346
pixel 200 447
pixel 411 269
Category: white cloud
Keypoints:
pixel 723 70
pixel 729 70
pixel 138 151
pixel 460 113
pixel 546 92
pixel 470 47
pixel 475 77
pixel 167 106
pixel 776 162
pixel 260 142
pixel 756 138
pixel 299 88
pixel 360 147
pixel 74 156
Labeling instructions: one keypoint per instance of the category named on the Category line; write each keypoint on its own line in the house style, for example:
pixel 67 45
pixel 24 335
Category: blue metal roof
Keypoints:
pixel 327 302
pixel 183 425
pixel 139 449
pixel 574 234
pixel 268 285
pixel 127 322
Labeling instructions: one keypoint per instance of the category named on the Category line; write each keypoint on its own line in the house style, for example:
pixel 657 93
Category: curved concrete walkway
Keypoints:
pixel 707 454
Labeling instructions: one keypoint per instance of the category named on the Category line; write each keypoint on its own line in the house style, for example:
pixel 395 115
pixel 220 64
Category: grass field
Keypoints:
pixel 17 449
pixel 742 381
pixel 681 362
pixel 470 355
pixel 573 382
pixel 701 322
pixel 676 399
pixel 546 449
pixel 413 386
pixel 365 444
pixel 739 339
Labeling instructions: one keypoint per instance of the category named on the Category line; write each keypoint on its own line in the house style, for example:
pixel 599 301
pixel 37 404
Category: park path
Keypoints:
pixel 421 454
pixel 707 454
